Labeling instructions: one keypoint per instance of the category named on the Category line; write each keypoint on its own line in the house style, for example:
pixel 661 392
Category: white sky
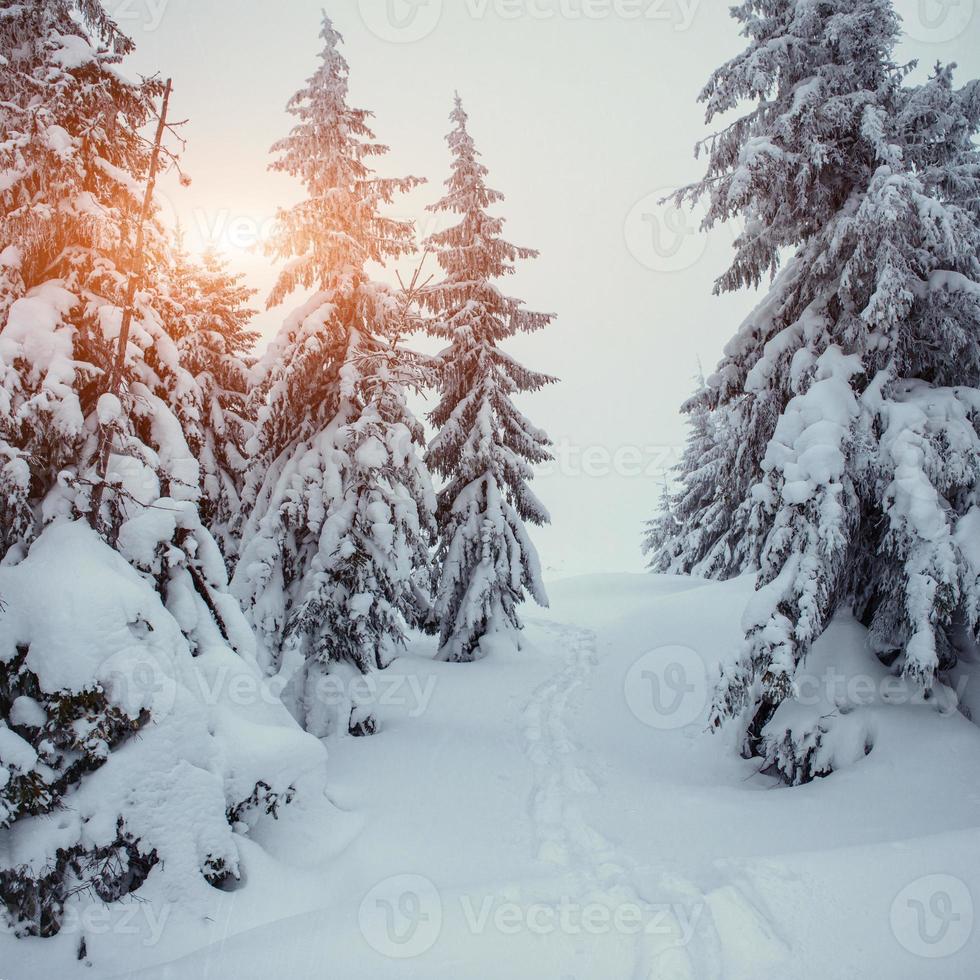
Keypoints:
pixel 583 110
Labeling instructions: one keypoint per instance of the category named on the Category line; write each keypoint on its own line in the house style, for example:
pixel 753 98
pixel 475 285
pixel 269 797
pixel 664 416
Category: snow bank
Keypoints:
pixel 500 793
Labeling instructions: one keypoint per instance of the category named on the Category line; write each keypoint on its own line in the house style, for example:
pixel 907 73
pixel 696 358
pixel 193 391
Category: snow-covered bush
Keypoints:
pixel 845 414
pixel 126 752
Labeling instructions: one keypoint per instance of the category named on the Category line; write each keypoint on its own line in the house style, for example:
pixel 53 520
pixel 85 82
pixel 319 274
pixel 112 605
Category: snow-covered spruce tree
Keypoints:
pixel 847 406
pixel 207 313
pixel 75 164
pixel 340 505
pixel 96 644
pixel 674 543
pixel 484 447
pixel 70 127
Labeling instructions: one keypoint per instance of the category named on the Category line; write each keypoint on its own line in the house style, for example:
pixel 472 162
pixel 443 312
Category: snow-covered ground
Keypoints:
pixel 562 813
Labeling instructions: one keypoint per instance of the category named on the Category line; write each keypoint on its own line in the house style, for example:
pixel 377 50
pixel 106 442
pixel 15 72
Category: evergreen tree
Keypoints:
pixel 847 404
pixel 69 151
pixel 339 503
pixel 76 168
pixel 674 542
pixel 484 447
pixel 105 636
pixel 208 316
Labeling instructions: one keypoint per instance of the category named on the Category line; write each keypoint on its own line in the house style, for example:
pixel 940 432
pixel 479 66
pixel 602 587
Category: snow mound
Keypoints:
pixel 186 756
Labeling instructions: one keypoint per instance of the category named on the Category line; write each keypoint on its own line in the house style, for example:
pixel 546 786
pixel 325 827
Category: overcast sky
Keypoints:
pixel 585 112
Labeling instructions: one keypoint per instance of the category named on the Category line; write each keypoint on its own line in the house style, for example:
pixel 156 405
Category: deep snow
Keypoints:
pixel 560 812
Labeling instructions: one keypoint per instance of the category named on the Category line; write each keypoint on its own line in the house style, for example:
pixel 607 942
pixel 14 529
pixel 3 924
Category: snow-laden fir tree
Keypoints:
pixel 340 506
pixel 484 447
pixel 847 406
pixel 70 126
pixel 112 635
pixel 701 473
pixel 208 316
pixel 75 168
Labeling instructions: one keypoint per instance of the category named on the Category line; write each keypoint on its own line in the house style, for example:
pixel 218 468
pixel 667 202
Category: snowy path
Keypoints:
pixel 565 838
pixel 519 818
pixel 562 836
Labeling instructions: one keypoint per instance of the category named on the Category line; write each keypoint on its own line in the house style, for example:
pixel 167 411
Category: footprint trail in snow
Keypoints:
pixel 667 948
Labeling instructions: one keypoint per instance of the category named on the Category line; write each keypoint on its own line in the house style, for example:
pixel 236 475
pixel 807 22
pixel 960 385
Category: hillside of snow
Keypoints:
pixel 562 812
